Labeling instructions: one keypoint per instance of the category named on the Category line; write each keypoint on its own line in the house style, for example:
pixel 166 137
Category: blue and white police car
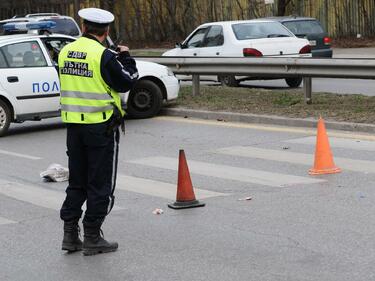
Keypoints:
pixel 29 82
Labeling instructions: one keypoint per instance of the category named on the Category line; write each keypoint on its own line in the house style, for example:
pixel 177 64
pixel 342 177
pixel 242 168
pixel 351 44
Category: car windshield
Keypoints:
pixel 64 26
pixel 257 30
pixel 304 27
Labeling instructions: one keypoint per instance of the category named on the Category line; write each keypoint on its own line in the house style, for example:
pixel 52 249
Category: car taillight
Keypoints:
pixel 305 50
pixel 327 40
pixel 250 52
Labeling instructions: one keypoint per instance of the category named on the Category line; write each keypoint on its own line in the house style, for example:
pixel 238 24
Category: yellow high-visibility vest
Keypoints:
pixel 85 96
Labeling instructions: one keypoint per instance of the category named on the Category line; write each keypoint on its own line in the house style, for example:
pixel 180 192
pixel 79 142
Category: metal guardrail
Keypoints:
pixel 269 67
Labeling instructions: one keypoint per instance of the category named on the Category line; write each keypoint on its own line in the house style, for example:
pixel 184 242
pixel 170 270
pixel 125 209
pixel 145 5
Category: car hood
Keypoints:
pixel 149 68
pixel 172 52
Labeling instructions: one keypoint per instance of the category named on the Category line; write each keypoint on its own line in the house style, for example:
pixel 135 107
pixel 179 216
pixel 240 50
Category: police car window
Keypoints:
pixel 54 46
pixel 25 54
pixel 64 26
pixel 3 63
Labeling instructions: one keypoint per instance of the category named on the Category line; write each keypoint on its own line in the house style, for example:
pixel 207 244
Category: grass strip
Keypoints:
pixel 286 102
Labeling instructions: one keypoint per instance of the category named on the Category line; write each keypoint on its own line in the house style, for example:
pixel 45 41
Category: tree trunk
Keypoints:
pixel 281 7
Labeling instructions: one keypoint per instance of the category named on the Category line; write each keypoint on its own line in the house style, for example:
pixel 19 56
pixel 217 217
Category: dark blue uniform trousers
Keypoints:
pixel 93 154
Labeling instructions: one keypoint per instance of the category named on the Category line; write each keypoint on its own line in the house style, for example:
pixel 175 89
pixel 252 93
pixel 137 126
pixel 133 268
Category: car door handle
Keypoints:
pixel 195 54
pixel 217 53
pixel 12 79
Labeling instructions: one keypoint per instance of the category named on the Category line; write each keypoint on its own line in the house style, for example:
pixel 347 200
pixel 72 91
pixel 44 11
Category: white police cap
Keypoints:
pixel 96 15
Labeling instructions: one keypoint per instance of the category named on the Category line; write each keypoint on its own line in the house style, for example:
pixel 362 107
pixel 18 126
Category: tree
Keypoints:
pixel 281 7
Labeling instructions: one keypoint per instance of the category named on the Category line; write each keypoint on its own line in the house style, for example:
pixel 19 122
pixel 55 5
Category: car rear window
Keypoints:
pixel 304 27
pixel 245 31
pixel 64 26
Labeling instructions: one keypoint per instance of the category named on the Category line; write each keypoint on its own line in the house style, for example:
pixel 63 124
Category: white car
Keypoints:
pixel 249 38
pixel 30 88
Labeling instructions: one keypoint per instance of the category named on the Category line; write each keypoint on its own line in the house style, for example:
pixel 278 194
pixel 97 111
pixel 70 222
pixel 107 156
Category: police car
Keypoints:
pixel 64 24
pixel 29 82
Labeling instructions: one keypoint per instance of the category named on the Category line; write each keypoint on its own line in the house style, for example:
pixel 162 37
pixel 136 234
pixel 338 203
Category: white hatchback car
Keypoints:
pixel 249 38
pixel 30 88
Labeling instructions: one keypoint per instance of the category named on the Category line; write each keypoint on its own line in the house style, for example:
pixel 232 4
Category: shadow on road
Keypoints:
pixel 28 128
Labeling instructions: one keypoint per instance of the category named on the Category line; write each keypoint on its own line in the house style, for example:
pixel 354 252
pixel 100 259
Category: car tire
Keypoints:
pixel 145 100
pixel 5 118
pixel 294 82
pixel 228 80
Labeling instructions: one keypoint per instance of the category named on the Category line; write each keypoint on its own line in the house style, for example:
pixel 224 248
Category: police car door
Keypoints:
pixel 30 78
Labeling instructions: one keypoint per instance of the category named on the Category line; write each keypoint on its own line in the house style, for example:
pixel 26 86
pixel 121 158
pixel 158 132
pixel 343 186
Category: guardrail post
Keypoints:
pixel 307 88
pixel 196 85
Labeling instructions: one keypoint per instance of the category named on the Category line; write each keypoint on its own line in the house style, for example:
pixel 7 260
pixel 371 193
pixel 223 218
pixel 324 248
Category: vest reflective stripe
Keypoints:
pixel 88 95
pixel 85 109
pixel 82 95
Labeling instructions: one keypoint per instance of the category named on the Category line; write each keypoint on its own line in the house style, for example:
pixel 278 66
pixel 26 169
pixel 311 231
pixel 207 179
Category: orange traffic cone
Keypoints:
pixel 185 193
pixel 323 156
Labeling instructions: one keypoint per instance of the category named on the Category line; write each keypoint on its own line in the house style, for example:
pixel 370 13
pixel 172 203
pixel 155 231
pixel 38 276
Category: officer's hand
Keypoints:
pixel 122 48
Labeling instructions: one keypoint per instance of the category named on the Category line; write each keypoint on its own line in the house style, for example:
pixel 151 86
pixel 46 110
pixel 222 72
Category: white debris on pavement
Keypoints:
pixel 245 199
pixel 55 173
pixel 157 211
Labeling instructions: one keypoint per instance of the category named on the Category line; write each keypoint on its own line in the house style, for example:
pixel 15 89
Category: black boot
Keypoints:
pixel 71 241
pixel 94 243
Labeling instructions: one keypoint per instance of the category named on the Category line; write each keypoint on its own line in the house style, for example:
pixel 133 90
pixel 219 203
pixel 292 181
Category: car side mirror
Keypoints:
pixel 178 45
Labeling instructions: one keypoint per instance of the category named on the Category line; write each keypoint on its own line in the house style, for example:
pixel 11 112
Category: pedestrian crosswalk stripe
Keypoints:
pixel 38 196
pixel 339 142
pixel 157 188
pixel 296 158
pixel 228 172
pixel 19 155
pixel 5 221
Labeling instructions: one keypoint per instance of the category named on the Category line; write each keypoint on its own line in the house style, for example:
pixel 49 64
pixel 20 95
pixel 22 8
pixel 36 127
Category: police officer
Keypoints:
pixel 91 77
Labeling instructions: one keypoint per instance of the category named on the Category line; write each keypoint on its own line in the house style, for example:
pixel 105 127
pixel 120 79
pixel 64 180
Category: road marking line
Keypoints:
pixel 158 188
pixel 38 196
pixel 5 221
pixel 228 172
pixel 19 155
pixel 266 127
pixel 296 158
pixel 339 142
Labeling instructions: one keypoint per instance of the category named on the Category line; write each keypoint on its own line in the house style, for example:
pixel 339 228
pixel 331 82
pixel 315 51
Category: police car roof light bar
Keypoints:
pixel 40 25
pixel 41 15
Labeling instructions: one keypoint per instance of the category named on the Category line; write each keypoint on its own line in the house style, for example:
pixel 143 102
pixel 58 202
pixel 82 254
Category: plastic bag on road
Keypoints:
pixel 55 173
pixel 158 212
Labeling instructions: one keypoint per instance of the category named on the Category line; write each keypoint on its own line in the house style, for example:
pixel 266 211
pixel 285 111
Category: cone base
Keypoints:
pixel 186 204
pixel 333 170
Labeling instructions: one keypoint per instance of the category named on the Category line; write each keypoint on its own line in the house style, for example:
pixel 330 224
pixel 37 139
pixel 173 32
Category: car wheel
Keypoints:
pixel 145 100
pixel 293 82
pixel 228 80
pixel 5 117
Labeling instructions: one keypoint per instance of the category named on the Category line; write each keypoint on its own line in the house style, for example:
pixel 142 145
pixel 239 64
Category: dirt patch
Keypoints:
pixel 287 103
pixel 353 42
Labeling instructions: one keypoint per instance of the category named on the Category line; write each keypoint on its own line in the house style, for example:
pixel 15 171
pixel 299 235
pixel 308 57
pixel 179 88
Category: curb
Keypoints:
pixel 266 119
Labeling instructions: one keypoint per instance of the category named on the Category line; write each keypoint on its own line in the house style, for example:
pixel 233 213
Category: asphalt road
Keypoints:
pixel 296 227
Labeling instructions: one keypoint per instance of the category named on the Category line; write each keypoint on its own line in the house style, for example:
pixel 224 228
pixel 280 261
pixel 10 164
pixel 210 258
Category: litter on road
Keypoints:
pixel 55 173
pixel 245 199
pixel 157 211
